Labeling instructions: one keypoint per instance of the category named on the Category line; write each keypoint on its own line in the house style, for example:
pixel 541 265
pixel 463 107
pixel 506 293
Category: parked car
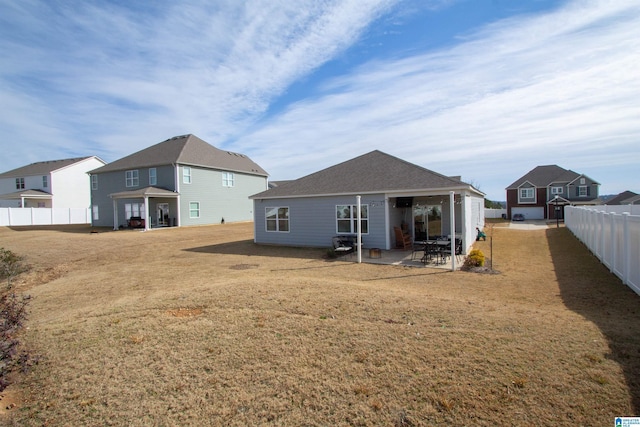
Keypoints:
pixel 517 217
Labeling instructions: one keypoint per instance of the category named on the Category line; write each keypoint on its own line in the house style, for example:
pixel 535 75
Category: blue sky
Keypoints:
pixel 486 89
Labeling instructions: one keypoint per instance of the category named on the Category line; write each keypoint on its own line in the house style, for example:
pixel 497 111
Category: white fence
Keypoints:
pixel 614 237
pixel 494 213
pixel 44 216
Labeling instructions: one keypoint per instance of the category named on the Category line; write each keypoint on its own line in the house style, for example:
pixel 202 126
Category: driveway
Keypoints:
pixel 531 224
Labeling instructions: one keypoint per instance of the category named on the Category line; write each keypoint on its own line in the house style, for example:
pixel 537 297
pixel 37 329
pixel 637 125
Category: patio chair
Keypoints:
pixel 431 252
pixel 444 250
pixel 341 247
pixel 403 241
pixel 418 248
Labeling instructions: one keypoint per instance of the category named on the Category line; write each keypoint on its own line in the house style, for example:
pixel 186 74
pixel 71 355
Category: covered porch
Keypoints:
pixel 430 215
pixel 404 258
pixel 146 208
pixel 30 198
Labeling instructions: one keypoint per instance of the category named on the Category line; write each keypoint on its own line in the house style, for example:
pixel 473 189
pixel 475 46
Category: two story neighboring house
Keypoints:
pixel 178 182
pixel 50 184
pixel 543 192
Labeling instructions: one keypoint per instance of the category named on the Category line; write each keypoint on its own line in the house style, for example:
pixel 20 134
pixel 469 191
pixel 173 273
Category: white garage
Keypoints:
pixel 534 212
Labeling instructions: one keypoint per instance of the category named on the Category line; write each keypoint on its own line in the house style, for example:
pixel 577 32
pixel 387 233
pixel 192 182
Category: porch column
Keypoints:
pixel 387 229
pixel 115 214
pixel 359 238
pixel 146 213
pixel 452 219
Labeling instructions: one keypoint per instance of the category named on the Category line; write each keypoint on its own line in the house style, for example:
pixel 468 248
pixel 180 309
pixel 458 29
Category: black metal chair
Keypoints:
pixel 342 247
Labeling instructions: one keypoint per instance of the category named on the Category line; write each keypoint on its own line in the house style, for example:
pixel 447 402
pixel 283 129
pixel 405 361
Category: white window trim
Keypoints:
pixel 153 177
pixel 528 200
pixel 45 181
pixel 353 219
pixel 191 210
pixel 133 209
pixel 228 179
pixel 132 178
pixel 586 191
pixel 186 175
pixel 94 182
pixel 95 212
pixel 557 190
pixel 278 219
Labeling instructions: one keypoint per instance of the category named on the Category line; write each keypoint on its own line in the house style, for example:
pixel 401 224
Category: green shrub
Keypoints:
pixel 11 265
pixel 474 259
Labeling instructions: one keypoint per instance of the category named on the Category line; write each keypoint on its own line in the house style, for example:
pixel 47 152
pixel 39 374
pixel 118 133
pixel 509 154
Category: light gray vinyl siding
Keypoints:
pixel 115 182
pixel 108 183
pixel 218 202
pixel 312 221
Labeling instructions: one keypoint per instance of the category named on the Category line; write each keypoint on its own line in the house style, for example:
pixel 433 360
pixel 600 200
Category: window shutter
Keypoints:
pixel 589 191
pixel 577 191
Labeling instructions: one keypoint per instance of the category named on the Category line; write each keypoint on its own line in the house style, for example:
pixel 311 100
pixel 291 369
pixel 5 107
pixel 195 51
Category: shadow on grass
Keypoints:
pixel 74 228
pixel 589 289
pixel 249 248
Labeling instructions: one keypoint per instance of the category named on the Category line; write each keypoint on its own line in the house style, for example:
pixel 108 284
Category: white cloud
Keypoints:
pixel 123 78
pixel 558 88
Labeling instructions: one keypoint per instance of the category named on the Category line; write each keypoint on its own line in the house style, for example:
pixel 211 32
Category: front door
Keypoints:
pixel 163 214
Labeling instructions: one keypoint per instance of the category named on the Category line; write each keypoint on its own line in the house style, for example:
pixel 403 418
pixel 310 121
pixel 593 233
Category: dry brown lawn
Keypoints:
pixel 199 326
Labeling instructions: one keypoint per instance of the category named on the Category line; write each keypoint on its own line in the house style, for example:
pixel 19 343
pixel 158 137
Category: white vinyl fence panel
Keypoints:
pixel 494 213
pixel 44 216
pixel 614 237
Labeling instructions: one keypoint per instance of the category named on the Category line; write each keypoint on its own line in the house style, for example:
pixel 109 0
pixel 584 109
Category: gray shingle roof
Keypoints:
pixel 620 198
pixel 186 150
pixel 38 194
pixel 41 168
pixel 373 172
pixel 541 176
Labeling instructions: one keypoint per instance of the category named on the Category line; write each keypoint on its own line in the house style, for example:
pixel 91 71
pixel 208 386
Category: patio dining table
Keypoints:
pixel 440 248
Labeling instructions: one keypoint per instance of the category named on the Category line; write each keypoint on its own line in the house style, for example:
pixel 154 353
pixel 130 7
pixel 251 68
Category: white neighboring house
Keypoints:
pixel 59 184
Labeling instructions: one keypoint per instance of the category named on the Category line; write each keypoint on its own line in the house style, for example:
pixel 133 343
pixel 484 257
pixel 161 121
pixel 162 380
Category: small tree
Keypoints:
pixel 11 265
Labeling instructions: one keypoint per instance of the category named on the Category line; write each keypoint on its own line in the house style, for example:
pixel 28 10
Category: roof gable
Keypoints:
pixel 372 172
pixel 42 168
pixel 620 198
pixel 542 176
pixel 186 150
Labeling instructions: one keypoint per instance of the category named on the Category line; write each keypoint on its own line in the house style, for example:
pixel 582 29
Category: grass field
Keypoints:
pixel 199 326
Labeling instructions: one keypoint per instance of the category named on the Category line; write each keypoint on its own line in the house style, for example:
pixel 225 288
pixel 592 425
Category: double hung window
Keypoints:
pixel 277 219
pixel 227 179
pixel 556 190
pixel 153 180
pixel 186 175
pixel 526 193
pixel 131 178
pixel 19 183
pixel 134 209
pixel 347 219
pixel 194 209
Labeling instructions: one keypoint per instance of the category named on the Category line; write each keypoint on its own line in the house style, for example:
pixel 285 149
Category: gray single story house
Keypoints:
pixel 313 209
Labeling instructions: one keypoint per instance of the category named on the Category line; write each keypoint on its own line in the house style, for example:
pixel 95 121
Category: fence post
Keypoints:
pixel 612 262
pixel 626 256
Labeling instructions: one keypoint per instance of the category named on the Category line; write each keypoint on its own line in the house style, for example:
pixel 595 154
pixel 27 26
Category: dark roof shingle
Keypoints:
pixel 41 168
pixel 186 150
pixel 370 173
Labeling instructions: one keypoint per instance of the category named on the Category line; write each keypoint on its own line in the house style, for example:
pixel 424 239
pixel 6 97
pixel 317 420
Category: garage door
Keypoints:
pixel 529 213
